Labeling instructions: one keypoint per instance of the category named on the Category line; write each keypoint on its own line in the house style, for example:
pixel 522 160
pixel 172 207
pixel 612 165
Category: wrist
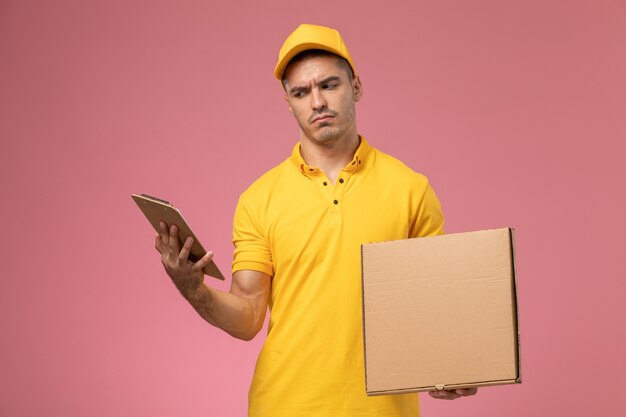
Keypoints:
pixel 197 295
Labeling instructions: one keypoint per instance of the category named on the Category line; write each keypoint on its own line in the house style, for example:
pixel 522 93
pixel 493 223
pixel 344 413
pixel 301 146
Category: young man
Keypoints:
pixel 297 235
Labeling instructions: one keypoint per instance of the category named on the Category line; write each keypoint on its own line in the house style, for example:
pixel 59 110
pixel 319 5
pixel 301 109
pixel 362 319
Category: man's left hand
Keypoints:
pixel 452 394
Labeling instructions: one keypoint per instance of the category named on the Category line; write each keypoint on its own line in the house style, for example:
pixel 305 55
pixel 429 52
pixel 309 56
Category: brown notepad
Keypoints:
pixel 157 210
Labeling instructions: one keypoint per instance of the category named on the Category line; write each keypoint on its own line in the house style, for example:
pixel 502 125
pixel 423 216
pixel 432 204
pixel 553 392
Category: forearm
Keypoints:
pixel 239 312
pixel 232 313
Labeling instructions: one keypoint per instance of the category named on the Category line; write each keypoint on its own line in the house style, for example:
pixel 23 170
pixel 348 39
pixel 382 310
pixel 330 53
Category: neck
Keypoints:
pixel 332 157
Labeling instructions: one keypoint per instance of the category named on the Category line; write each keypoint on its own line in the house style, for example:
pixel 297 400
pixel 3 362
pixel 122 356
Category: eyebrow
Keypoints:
pixel 329 79
pixel 326 80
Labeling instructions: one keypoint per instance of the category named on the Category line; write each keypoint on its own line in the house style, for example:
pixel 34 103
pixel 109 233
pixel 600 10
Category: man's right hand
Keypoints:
pixel 185 274
pixel 239 312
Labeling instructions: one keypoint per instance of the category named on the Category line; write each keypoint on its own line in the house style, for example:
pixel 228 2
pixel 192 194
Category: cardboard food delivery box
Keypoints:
pixel 440 312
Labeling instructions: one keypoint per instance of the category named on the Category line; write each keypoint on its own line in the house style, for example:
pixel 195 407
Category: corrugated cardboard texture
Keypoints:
pixel 440 312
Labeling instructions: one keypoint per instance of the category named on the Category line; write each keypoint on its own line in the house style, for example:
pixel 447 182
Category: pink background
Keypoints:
pixel 516 110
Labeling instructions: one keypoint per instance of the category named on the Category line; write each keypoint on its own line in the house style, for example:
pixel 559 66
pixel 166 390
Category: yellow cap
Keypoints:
pixel 307 37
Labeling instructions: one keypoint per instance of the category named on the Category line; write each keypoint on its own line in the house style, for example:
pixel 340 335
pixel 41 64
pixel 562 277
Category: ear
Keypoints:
pixel 288 105
pixel 357 87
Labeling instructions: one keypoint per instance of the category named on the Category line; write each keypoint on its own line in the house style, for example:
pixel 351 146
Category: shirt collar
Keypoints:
pixel 359 160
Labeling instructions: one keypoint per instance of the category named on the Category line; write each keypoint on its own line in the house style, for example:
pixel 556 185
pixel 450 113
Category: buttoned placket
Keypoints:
pixel 334 194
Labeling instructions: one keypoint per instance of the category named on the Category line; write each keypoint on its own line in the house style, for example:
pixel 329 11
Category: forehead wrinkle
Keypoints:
pixel 316 83
pixel 310 72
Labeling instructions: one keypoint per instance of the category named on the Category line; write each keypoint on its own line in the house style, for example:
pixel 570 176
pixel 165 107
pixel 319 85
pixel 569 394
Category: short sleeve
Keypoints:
pixel 252 250
pixel 428 220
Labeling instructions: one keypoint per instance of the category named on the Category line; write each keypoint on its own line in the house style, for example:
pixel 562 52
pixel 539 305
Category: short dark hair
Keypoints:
pixel 314 53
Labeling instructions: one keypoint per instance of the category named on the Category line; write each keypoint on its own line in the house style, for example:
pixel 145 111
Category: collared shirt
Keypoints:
pixel 305 232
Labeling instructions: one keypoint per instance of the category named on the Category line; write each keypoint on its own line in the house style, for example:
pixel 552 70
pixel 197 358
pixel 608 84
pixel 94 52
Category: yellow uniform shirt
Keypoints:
pixel 305 232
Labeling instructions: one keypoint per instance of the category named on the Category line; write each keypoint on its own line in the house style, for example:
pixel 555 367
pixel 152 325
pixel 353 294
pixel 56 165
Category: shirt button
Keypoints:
pixel 325 183
pixel 336 202
pixel 341 180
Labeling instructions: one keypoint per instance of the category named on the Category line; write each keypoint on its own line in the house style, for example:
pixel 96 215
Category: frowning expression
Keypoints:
pixel 322 96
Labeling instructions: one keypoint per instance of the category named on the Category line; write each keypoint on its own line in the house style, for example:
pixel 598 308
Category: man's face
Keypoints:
pixel 321 97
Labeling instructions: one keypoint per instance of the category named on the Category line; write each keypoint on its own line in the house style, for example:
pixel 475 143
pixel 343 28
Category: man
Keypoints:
pixel 297 236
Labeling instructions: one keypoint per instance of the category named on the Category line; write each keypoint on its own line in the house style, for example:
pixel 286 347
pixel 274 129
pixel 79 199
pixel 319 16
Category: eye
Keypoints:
pixel 329 86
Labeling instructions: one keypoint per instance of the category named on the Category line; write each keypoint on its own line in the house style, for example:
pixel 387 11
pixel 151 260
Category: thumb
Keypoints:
pixel 204 261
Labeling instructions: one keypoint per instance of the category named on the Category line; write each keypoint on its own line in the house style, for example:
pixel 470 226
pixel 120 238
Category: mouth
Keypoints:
pixel 322 118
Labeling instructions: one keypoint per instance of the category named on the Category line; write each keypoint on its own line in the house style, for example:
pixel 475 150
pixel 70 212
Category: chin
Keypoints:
pixel 327 137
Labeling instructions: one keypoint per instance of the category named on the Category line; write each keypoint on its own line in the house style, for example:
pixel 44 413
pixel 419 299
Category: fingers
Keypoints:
pixel 164 234
pixel 175 258
pixel 444 395
pixel 184 252
pixel 158 243
pixel 453 394
pixel 173 239
pixel 202 262
pixel 467 391
pixel 166 243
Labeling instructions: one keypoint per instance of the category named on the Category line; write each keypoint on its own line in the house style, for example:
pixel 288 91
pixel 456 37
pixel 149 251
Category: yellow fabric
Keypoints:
pixel 307 37
pixel 288 225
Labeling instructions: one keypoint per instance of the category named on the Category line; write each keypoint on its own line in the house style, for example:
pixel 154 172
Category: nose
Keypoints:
pixel 317 100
